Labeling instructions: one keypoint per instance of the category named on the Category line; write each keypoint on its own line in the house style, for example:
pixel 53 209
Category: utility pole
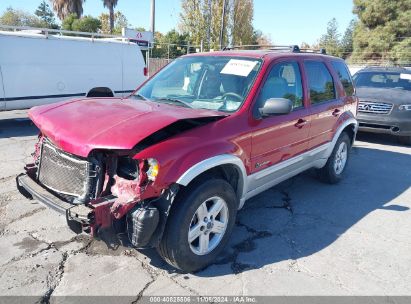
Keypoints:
pixel 153 16
pixel 209 25
pixel 222 25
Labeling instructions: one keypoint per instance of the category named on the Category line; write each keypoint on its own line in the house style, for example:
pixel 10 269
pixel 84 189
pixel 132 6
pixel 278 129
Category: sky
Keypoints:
pixel 284 21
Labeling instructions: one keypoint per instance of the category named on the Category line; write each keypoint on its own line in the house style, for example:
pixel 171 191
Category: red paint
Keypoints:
pixel 102 215
pixel 81 126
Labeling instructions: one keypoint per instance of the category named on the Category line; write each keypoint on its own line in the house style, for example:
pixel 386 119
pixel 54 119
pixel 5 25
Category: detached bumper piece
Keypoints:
pixel 145 223
pixel 79 217
pixel 42 195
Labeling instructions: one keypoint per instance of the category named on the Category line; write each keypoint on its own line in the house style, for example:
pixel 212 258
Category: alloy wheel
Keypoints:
pixel 208 225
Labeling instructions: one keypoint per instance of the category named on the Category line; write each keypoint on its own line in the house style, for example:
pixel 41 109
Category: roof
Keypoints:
pixel 260 54
pixel 44 33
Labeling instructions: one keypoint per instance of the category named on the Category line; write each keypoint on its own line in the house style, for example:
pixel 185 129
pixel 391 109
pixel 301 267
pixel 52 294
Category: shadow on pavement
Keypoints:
pixel 20 127
pixel 303 216
pixel 382 139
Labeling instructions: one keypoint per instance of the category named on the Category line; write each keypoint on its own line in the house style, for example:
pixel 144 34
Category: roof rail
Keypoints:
pixel 318 51
pixel 290 48
pixel 47 31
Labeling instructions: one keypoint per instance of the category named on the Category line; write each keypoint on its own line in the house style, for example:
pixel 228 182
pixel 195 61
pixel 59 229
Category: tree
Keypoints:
pixel 111 4
pixel 346 44
pixel 241 23
pixel 383 31
pixel 84 24
pixel 45 13
pixel 20 18
pixel 194 17
pixel 171 45
pixel 64 8
pixel 202 19
pixel 260 39
pixel 331 40
pixel 120 21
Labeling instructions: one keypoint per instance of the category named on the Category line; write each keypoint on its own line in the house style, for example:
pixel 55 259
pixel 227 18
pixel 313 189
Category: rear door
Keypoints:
pixel 281 137
pixel 325 107
pixel 2 95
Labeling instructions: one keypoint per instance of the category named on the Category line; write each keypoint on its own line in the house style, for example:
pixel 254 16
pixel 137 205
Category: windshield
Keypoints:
pixel 389 80
pixel 203 82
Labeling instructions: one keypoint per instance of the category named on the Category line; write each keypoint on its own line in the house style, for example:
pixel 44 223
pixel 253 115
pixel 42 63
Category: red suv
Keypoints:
pixel 171 164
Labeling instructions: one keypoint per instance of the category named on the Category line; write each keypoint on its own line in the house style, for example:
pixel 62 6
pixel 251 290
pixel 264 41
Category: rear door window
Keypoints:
pixel 344 76
pixel 320 82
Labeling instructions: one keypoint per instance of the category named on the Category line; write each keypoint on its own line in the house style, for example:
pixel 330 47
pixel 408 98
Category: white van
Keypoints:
pixel 38 68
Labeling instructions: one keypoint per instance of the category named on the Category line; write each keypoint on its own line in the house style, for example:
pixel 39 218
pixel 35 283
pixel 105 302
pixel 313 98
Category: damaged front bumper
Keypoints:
pixel 79 217
pixel 145 222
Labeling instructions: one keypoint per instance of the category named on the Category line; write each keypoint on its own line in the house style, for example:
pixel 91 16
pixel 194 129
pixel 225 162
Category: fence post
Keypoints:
pixel 168 51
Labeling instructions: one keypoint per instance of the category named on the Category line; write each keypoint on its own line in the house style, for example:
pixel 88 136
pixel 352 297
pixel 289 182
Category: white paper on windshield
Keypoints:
pixel 405 76
pixel 239 67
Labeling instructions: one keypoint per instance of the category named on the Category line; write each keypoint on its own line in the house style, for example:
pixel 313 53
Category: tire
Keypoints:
pixel 175 247
pixel 405 140
pixel 333 173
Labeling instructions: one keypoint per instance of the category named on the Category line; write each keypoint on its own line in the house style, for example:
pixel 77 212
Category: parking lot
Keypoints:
pixel 299 238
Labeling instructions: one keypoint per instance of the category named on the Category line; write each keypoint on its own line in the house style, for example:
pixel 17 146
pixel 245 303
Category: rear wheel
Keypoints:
pixel 405 140
pixel 336 164
pixel 199 225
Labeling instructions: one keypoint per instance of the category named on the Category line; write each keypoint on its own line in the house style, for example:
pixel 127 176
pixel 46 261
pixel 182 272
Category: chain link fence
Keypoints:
pixel 163 53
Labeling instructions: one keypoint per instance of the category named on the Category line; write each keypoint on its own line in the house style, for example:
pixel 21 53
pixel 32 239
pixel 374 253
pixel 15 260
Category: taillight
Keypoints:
pixel 145 71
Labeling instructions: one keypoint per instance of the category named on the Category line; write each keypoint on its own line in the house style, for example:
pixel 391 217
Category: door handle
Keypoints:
pixel 336 112
pixel 301 123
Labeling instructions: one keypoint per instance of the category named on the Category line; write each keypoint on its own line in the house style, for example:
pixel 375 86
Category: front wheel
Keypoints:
pixel 199 225
pixel 336 164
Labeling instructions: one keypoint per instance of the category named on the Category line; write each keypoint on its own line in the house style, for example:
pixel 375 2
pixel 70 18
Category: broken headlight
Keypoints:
pixel 127 168
pixel 152 169
pixel 130 168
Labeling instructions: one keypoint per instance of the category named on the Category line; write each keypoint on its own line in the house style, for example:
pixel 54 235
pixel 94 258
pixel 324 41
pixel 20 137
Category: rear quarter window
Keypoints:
pixel 344 77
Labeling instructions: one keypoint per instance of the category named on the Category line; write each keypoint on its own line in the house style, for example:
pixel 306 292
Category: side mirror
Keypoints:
pixel 275 106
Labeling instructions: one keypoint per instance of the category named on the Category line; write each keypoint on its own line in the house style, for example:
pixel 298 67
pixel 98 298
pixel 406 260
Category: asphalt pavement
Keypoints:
pixel 301 237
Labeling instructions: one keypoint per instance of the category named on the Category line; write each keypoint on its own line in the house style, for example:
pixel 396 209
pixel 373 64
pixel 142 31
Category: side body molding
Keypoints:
pixel 249 186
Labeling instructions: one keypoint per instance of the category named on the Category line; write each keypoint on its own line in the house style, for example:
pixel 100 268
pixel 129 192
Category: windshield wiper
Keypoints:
pixel 175 100
pixel 141 97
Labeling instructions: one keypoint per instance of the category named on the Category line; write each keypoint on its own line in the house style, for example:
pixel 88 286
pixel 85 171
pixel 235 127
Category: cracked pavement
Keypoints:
pixel 301 237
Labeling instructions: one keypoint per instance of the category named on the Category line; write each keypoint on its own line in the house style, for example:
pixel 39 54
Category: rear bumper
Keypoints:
pixel 385 124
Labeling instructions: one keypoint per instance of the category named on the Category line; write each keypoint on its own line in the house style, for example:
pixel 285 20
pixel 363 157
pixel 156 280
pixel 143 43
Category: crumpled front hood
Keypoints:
pixel 80 126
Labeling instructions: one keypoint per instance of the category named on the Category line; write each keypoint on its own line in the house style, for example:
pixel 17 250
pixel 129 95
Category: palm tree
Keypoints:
pixel 63 8
pixel 111 4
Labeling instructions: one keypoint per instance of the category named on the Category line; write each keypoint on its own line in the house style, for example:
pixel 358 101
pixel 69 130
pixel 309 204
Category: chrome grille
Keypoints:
pixel 374 107
pixel 63 173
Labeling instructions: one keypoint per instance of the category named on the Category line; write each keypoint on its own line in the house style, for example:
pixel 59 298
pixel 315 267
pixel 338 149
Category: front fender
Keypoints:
pixel 225 159
pixel 183 159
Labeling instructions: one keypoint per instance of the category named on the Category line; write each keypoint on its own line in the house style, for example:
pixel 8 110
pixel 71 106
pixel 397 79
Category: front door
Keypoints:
pixel 281 137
